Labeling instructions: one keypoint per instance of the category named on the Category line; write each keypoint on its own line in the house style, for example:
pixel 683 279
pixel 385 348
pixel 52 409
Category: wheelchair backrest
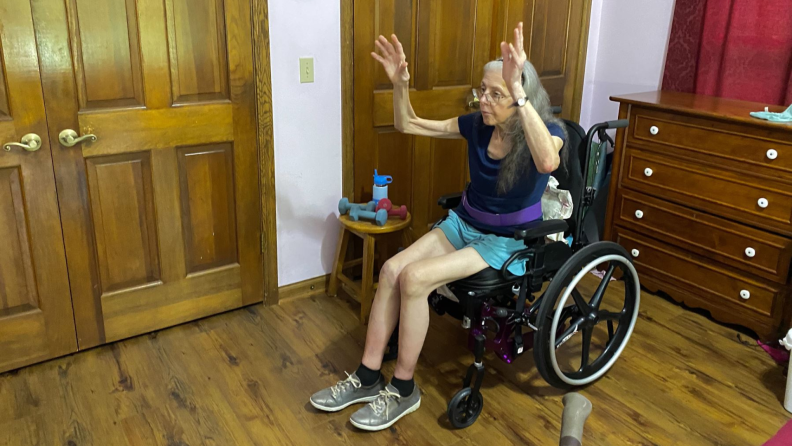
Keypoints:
pixel 570 174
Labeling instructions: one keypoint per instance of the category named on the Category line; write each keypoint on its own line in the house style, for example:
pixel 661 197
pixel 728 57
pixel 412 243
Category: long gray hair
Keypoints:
pixel 518 160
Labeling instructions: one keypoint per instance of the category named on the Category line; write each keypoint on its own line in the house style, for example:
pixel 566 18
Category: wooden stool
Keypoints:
pixel 369 232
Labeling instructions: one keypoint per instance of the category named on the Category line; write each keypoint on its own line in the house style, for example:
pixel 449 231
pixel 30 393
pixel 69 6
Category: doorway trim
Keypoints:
pixel 348 88
pixel 348 98
pixel 266 148
pixel 577 98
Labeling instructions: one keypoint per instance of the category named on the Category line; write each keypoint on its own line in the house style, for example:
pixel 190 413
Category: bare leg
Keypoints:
pixel 385 309
pixel 416 281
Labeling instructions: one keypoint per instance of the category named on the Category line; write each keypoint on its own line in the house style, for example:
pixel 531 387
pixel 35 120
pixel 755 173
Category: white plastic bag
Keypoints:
pixel 556 205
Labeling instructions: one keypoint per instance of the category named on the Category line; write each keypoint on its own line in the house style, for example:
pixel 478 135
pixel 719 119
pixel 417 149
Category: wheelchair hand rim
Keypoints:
pixel 562 302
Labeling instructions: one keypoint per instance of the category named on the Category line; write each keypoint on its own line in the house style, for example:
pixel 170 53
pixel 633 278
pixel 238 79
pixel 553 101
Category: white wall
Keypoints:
pixel 307 126
pixel 626 53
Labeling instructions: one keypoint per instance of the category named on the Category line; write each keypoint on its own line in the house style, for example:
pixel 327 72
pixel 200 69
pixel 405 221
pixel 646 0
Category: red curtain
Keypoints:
pixel 739 49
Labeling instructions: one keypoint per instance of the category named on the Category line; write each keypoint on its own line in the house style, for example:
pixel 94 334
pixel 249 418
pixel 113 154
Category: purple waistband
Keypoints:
pixel 518 218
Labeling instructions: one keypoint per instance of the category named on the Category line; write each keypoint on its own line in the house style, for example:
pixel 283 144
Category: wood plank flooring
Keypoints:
pixel 244 378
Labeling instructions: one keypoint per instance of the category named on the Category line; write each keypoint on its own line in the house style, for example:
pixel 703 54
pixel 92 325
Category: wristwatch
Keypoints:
pixel 520 102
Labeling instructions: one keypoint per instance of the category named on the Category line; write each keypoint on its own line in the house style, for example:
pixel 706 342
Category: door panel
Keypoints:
pixel 444 42
pixel 17 290
pixel 552 41
pixel 124 222
pixel 36 321
pixel 5 111
pixel 197 49
pixel 161 212
pixel 395 153
pixel 207 204
pixel 447 44
pixel 106 53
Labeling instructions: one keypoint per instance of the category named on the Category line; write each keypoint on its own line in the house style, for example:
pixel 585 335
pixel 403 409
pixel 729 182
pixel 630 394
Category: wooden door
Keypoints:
pixel 447 44
pixel 36 319
pixel 161 214
pixel 555 40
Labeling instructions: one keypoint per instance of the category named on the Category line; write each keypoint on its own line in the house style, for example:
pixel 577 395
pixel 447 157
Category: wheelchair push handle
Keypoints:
pixel 617 124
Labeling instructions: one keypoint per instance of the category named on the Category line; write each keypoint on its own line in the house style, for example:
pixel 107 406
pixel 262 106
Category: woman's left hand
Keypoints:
pixel 514 58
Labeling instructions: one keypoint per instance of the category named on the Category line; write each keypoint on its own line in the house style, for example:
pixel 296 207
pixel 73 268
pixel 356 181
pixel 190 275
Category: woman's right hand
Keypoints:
pixel 392 59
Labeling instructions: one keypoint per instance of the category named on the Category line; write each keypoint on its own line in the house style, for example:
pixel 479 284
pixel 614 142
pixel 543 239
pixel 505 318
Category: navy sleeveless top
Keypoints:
pixel 483 193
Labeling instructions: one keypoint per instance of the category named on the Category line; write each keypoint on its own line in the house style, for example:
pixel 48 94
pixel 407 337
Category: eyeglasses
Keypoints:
pixel 492 97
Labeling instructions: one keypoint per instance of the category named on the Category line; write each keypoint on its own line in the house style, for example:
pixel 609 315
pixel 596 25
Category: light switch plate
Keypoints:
pixel 306 70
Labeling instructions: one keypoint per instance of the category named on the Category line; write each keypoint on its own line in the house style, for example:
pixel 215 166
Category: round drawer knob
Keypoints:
pixel 648 172
pixel 750 252
pixel 772 154
pixel 745 294
pixel 762 202
pixel 654 130
pixel 639 214
pixel 634 252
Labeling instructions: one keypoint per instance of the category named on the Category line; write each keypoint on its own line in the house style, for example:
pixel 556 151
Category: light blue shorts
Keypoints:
pixel 494 249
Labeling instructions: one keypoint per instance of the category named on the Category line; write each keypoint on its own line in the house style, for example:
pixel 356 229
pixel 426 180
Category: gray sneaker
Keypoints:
pixel 345 393
pixel 386 409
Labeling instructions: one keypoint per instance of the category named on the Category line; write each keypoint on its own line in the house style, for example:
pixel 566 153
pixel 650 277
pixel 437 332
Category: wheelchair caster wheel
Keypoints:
pixel 463 410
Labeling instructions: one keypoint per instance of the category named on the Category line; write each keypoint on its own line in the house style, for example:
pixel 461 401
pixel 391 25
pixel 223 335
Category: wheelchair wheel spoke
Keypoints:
pixel 563 337
pixel 581 303
pixel 598 295
pixel 609 316
pixel 610 332
pixel 584 360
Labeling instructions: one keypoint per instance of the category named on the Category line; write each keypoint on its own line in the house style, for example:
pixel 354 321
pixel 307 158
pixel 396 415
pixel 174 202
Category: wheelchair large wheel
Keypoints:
pixel 585 320
pixel 463 409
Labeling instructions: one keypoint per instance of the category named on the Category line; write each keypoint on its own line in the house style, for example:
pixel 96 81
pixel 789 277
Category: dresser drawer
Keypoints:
pixel 738 143
pixel 746 248
pixel 763 203
pixel 682 269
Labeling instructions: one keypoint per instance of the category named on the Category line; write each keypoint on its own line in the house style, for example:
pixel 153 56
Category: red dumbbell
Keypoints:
pixel 400 212
pixel 384 203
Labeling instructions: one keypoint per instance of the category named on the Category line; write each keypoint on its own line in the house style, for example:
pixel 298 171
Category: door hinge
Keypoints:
pixel 261 240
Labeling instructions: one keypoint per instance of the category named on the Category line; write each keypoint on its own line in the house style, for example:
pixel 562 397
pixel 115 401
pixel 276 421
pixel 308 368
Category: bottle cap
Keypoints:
pixel 381 180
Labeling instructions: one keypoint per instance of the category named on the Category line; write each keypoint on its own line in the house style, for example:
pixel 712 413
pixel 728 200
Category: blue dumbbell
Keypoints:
pixel 345 206
pixel 380 217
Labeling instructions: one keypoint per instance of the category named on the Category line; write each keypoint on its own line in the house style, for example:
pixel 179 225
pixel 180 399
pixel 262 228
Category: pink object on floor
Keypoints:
pixel 779 354
pixel 601 274
pixel 783 437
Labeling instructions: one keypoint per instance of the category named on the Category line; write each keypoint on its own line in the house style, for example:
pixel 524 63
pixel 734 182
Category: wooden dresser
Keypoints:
pixel 702 199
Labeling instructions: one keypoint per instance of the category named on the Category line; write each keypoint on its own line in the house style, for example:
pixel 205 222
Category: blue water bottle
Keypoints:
pixel 381 183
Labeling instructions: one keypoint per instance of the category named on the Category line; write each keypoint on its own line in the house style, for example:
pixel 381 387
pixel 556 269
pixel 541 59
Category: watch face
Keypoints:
pixel 521 102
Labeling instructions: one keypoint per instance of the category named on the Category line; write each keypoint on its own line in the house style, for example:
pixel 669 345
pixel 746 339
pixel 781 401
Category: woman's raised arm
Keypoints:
pixel 393 60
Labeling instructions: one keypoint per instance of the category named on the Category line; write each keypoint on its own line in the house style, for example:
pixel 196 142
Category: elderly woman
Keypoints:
pixel 514 143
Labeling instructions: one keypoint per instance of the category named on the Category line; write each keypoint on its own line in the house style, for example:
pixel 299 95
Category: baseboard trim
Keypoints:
pixel 301 290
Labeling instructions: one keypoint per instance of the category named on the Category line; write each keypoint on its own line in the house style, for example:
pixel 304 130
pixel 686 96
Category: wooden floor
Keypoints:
pixel 244 378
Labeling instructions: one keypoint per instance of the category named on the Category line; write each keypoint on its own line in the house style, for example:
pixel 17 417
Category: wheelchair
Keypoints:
pixel 575 336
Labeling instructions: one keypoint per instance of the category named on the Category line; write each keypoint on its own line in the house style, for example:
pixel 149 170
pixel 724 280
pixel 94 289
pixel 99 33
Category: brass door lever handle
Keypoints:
pixel 70 138
pixel 30 142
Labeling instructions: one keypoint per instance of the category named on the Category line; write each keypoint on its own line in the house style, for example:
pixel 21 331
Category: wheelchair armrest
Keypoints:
pixel 541 229
pixel 450 201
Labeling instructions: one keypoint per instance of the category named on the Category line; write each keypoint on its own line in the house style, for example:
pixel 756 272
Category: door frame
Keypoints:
pixel 348 88
pixel 266 148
